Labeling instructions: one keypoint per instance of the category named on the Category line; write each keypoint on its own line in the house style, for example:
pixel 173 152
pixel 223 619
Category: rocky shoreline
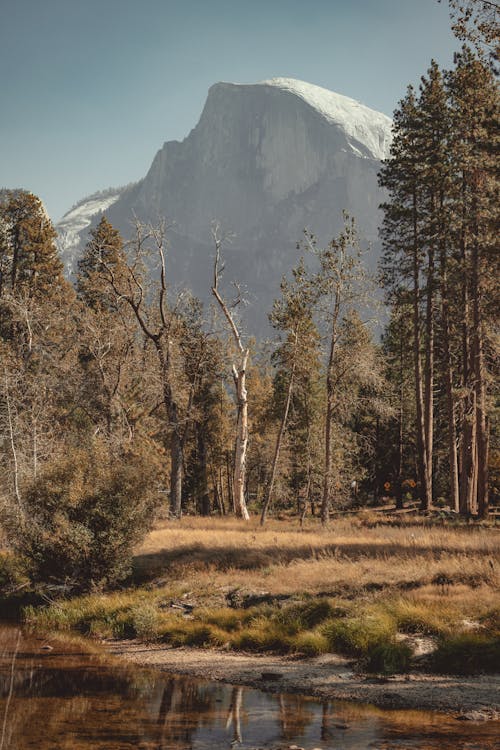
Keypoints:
pixel 328 676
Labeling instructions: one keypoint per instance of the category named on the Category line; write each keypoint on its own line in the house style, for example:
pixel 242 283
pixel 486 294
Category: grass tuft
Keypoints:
pixel 310 643
pixel 388 657
pixel 468 653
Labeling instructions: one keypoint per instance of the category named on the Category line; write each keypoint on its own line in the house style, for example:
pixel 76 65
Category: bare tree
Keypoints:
pixel 159 322
pixel 239 369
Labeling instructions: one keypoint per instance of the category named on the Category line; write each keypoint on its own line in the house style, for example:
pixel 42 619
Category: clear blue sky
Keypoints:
pixel 90 89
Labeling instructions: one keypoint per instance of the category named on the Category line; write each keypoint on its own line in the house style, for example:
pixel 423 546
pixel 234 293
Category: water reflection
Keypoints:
pixel 54 694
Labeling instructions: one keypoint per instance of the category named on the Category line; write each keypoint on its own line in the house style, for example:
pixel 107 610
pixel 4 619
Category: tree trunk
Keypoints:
pixel 467 489
pixel 425 500
pixel 279 441
pixel 229 475
pixel 328 478
pixel 448 379
pixel 241 440
pixel 202 488
pixel 482 441
pixel 176 467
pixel 429 376
pixel 399 479
pixel 239 376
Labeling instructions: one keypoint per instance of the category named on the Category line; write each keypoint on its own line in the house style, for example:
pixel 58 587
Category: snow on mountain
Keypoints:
pixel 369 129
pixel 78 219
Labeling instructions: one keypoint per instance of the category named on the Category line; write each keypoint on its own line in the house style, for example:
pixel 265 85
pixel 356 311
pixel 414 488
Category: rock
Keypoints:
pixel 271 675
pixel 475 716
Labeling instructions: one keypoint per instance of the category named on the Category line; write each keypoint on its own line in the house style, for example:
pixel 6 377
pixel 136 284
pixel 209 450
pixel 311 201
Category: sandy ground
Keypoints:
pixel 329 676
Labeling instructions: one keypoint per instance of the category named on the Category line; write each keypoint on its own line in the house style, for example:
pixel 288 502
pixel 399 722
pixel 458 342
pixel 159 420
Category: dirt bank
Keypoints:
pixel 328 676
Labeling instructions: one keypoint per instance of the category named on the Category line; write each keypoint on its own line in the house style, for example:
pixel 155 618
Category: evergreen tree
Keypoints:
pixel 474 110
pixel 29 261
pixel 439 242
pixel 104 250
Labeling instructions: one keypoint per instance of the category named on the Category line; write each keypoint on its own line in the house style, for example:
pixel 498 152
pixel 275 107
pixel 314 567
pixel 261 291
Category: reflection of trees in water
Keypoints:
pixel 296 714
pixel 80 697
pixel 234 713
pixel 72 699
pixel 10 691
pixel 326 722
pixel 184 707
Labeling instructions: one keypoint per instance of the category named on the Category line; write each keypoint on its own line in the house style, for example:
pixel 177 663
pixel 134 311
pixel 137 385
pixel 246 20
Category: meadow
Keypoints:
pixel 393 595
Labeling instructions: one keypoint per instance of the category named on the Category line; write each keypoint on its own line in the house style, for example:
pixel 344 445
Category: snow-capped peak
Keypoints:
pixel 365 126
pixel 79 218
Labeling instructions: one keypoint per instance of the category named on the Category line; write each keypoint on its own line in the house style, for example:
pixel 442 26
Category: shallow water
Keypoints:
pixel 69 698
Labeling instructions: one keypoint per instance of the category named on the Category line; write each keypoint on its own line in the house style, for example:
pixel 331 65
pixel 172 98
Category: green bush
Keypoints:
pixel 468 653
pixel 263 635
pixel 389 657
pixel 358 636
pixel 12 573
pixel 83 515
pixel 310 643
pixel 372 640
pixel 307 615
pixel 146 621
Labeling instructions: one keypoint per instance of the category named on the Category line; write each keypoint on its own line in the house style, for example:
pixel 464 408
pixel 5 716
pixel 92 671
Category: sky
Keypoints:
pixel 91 89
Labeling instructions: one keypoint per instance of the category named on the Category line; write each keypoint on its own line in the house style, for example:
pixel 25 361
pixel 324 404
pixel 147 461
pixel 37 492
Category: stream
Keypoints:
pixel 63 694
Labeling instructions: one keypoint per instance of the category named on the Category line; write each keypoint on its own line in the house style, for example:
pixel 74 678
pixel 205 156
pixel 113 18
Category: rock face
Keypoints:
pixel 266 160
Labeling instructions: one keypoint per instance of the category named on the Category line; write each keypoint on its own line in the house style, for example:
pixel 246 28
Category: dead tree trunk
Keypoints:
pixel 239 376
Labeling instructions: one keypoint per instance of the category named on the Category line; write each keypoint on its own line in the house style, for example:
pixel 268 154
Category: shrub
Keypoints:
pixel 226 618
pixel 418 617
pixel 468 653
pixel 84 514
pixel 372 640
pixel 358 636
pixel 146 621
pixel 388 657
pixel 311 643
pixel 308 614
pixel 263 635
pixel 12 573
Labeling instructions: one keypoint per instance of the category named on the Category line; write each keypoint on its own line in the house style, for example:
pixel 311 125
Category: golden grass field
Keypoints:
pixel 347 557
pixel 358 587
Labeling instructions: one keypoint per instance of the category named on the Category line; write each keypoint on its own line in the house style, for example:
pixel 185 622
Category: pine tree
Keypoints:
pixel 474 109
pixel 108 336
pixel 103 250
pixel 404 251
pixel 29 261
pixel 396 447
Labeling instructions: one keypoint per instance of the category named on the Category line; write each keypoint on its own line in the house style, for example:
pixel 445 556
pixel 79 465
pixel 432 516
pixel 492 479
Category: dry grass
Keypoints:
pixel 348 557
pixel 350 588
